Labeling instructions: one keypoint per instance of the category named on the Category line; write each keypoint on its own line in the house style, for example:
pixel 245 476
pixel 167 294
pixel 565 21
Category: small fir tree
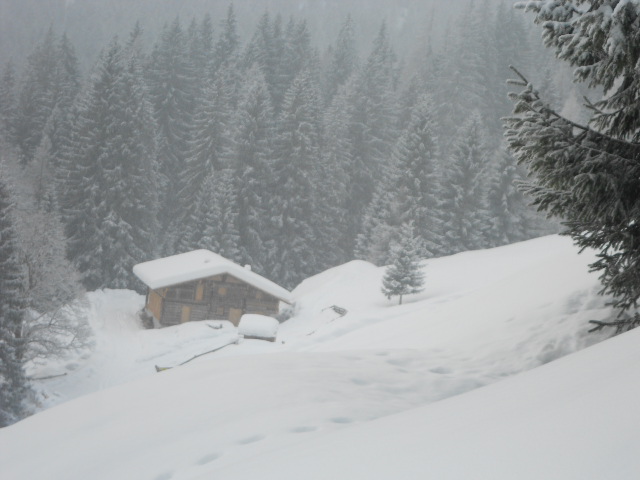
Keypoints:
pixel 404 276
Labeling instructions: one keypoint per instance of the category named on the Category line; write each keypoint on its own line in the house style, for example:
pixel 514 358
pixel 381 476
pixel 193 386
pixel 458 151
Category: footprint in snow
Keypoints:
pixel 341 420
pixel 441 370
pixel 360 381
pixel 164 476
pixel 208 458
pixel 252 439
pixel 303 429
pixel 399 362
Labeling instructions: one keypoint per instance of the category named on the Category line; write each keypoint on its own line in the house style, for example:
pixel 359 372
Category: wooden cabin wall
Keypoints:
pixel 222 297
pixel 154 304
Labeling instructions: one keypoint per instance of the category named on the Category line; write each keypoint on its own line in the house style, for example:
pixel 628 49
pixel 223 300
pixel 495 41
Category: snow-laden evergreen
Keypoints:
pixel 344 60
pixel 110 198
pixel 8 104
pixel 228 43
pixel 404 276
pixel 51 80
pixel 296 190
pixel 13 382
pixel 252 162
pixel 171 87
pixel 588 175
pixel 213 224
pixel 409 193
pixel 464 211
pixel 372 123
pixel 209 146
pixel 198 73
pixel 511 219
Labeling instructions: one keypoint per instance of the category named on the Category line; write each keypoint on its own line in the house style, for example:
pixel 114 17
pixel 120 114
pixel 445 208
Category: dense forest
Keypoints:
pixel 266 149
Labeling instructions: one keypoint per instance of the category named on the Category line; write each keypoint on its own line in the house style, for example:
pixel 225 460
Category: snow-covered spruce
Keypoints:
pixel 404 276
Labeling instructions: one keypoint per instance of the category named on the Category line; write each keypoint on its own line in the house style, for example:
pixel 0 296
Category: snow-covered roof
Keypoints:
pixel 186 267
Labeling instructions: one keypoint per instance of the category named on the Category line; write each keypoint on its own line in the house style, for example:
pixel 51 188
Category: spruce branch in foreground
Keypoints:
pixel 590 179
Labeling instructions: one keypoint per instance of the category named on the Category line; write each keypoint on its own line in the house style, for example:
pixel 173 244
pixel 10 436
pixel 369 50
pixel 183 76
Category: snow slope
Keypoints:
pixel 372 394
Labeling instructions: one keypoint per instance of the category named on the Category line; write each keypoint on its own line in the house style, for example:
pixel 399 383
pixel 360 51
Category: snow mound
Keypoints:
pixel 554 422
pixel 361 391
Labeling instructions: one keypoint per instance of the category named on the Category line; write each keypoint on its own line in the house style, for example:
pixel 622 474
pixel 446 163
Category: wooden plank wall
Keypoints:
pixel 214 299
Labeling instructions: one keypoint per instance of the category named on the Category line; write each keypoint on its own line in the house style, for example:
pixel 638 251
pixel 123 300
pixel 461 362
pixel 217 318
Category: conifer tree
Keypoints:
pixel 68 74
pixel 404 276
pixel 13 383
pixel 510 217
pixel 208 145
pixel 417 159
pixel 296 170
pixel 335 166
pixel 265 50
pixel 344 60
pixel 109 202
pixel 379 227
pixel 252 162
pixel 8 111
pixel 201 48
pixel 463 213
pixel 588 175
pixel 51 82
pixel 506 43
pixel 228 44
pixel 372 126
pixel 171 88
pixel 37 97
pixel 297 54
pixel 409 193
pixel 214 222
pixel 220 206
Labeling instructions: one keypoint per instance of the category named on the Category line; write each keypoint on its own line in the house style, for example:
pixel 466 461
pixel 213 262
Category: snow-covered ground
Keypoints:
pixel 381 392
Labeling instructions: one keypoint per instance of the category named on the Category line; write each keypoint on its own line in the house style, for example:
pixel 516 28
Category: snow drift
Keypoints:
pixel 376 393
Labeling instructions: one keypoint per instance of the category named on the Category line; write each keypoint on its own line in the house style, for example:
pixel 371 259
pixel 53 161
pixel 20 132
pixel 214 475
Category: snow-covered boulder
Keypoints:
pixel 258 326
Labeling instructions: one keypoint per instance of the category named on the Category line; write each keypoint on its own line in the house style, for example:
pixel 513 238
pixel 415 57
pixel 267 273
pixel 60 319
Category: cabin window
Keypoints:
pixel 200 292
pixel 259 295
pixel 182 292
pixel 222 291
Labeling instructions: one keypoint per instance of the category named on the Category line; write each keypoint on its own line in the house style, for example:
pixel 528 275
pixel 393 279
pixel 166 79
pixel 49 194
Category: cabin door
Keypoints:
pixel 186 314
pixel 234 315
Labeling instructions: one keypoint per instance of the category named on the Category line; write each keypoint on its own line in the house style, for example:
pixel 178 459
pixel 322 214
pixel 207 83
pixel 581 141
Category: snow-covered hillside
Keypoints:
pixel 373 394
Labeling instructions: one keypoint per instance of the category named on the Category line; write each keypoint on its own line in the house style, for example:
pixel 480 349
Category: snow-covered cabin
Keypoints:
pixel 202 285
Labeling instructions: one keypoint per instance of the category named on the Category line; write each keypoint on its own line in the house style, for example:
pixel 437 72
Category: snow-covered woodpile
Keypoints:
pixel 261 327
